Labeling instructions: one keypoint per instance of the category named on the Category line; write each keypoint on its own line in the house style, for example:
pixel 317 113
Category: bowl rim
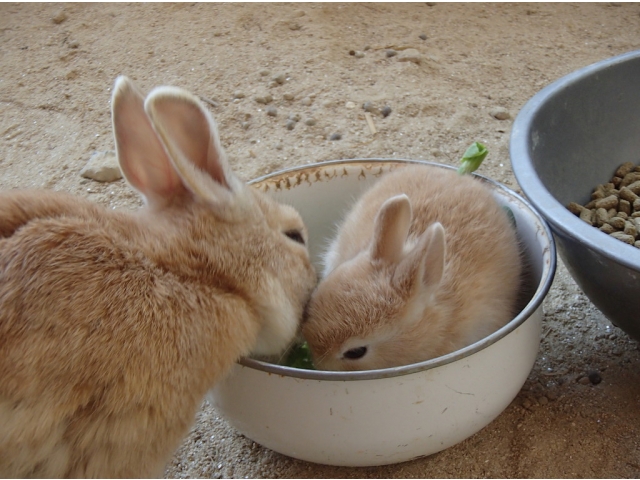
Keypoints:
pixel 557 215
pixel 541 291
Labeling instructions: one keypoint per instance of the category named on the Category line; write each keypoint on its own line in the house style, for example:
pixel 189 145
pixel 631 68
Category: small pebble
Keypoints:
pixel 59 17
pixel 306 101
pixel 102 167
pixel 289 96
pixel 290 124
pixel 295 117
pixel 264 99
pixel 543 400
pixel 500 113
pixel 594 377
pixel 310 122
pixel 584 381
pixel 272 111
pixel 245 125
pixel 350 105
pixel 294 26
pixel 422 36
pixel 359 54
pixel 280 78
pixel 386 111
pixel 552 395
pixel 264 73
pixel 391 53
pixel 335 136
pixel 410 55
pixel 238 94
pixel 368 107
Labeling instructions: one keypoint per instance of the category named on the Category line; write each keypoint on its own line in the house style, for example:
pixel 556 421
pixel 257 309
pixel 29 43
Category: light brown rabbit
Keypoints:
pixel 113 324
pixel 424 264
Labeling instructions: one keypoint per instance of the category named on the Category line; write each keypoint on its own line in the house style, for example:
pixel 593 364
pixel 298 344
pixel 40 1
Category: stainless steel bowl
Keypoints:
pixel 378 417
pixel 567 139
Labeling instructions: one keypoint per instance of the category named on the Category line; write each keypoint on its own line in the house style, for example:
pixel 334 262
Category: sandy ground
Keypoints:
pixel 59 61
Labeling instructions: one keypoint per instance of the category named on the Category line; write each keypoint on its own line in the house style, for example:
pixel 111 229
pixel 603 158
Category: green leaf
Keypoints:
pixel 472 158
pixel 299 357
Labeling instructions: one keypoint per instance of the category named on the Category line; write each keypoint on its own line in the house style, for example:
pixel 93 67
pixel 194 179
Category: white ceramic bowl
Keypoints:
pixel 379 417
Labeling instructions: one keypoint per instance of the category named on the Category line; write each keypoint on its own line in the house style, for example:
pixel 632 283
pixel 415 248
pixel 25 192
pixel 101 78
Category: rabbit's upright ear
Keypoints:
pixel 142 157
pixel 189 133
pixel 390 229
pixel 424 264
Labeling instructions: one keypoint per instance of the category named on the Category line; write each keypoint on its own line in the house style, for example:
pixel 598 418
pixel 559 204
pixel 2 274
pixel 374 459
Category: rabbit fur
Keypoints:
pixel 115 324
pixel 425 263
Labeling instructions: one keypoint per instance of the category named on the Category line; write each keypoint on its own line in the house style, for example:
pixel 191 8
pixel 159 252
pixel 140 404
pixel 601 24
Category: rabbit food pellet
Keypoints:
pixel 615 206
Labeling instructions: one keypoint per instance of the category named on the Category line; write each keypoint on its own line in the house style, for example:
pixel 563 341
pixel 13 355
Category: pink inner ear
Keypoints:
pixel 391 228
pixel 434 255
pixel 423 266
pixel 214 164
pixel 142 156
pixel 189 133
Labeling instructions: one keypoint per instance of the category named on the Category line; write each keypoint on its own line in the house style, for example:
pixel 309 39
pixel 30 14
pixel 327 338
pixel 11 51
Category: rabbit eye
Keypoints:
pixel 295 235
pixel 355 353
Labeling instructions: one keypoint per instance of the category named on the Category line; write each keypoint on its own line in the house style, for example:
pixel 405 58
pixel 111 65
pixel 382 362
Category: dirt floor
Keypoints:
pixel 470 63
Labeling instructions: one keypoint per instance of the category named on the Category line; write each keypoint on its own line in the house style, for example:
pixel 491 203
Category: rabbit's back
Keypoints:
pixel 100 379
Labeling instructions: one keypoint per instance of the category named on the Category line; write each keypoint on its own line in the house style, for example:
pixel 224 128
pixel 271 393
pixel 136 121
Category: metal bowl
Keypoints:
pixel 379 417
pixel 567 139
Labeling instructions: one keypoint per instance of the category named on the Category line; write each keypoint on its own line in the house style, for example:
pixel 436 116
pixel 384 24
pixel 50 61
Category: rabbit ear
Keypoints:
pixel 143 159
pixel 424 265
pixel 190 135
pixel 433 249
pixel 390 229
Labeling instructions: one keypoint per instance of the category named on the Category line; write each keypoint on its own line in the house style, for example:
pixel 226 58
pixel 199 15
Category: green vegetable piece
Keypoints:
pixel 472 158
pixel 300 357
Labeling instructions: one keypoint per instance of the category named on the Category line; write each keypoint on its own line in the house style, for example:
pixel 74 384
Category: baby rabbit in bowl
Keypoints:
pixel 114 325
pixel 425 263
